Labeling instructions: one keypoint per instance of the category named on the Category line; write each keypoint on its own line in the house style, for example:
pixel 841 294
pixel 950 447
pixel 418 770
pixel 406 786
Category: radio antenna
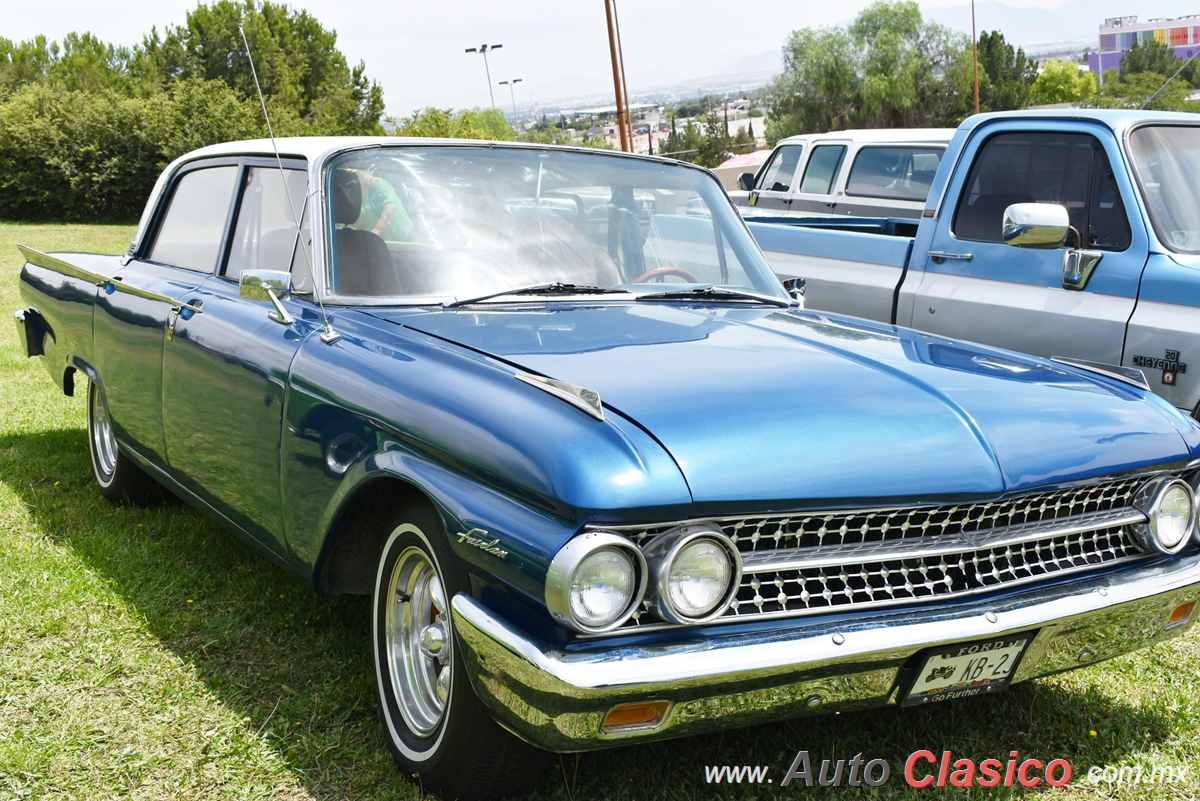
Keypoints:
pixel 328 335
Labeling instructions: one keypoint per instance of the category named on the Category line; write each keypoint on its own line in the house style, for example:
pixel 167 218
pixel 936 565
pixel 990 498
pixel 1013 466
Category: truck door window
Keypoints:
pixel 778 175
pixel 1070 170
pixel 264 237
pixel 822 170
pixel 190 233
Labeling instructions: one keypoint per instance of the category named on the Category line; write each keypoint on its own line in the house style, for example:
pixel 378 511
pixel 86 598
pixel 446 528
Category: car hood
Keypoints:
pixel 774 406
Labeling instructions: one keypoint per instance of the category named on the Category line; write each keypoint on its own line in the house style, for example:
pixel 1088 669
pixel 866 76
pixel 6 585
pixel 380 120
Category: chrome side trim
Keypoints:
pixel 579 397
pixel 1128 375
pixel 557 699
pixel 113 284
pixel 918 547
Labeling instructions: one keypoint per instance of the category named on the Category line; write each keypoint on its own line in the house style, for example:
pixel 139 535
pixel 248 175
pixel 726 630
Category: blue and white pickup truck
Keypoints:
pixel 1071 234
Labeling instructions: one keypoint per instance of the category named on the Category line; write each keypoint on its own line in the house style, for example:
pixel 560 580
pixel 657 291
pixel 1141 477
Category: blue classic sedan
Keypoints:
pixel 603 476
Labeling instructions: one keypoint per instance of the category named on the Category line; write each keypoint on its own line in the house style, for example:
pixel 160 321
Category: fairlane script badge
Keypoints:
pixel 478 538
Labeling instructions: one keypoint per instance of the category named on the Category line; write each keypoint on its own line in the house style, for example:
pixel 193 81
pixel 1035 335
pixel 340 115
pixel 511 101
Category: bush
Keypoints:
pixel 94 156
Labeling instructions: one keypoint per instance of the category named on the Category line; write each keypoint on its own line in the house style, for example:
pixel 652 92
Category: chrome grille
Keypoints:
pixel 907 579
pixel 812 562
pixel 815 529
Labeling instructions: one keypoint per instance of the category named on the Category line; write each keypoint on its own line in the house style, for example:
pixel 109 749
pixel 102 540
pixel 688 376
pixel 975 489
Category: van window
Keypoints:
pixel 822 170
pixel 778 175
pixel 897 173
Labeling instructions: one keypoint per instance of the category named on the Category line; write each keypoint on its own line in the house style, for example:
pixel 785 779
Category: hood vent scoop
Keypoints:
pixel 586 399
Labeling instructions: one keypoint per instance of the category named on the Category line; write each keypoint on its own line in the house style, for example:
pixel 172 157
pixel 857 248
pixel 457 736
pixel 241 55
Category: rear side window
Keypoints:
pixel 822 170
pixel 189 235
pixel 265 236
pixel 897 173
pixel 1070 170
pixel 778 175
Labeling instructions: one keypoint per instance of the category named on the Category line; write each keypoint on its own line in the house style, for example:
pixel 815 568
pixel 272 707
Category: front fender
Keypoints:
pixel 492 452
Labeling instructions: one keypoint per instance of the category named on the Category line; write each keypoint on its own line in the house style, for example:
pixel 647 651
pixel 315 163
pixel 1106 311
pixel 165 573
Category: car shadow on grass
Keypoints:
pixel 296 668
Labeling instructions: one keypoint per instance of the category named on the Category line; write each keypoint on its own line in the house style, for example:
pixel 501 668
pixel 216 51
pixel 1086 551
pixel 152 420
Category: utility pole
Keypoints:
pixel 975 55
pixel 618 71
pixel 483 49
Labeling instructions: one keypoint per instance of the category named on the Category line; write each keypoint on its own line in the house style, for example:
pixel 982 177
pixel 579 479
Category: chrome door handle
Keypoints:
pixel 940 256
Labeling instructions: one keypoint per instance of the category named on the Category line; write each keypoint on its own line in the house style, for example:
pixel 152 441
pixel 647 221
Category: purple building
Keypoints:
pixel 1118 34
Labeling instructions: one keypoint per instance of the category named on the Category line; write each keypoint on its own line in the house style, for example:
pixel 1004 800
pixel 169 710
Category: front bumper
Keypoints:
pixel 557 699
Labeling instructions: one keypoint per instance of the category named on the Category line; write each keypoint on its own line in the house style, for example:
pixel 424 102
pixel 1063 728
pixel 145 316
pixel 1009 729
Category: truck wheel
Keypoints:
pixel 119 479
pixel 434 724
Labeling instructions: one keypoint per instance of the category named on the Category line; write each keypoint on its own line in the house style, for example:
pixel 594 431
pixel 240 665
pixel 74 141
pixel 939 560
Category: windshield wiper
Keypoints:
pixel 548 288
pixel 718 293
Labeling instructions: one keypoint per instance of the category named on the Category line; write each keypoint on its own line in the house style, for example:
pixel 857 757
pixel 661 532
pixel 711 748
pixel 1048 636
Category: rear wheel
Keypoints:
pixel 434 724
pixel 119 479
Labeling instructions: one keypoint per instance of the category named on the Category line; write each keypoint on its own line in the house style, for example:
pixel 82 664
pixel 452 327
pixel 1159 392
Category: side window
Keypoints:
pixel 265 236
pixel 822 170
pixel 189 235
pixel 898 173
pixel 1069 170
pixel 778 175
pixel 1108 224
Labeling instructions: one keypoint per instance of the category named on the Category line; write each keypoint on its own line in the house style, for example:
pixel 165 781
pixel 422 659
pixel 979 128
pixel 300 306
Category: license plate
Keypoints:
pixel 966 669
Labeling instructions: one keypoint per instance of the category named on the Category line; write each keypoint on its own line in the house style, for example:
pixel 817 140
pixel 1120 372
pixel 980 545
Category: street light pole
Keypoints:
pixel 512 94
pixel 483 49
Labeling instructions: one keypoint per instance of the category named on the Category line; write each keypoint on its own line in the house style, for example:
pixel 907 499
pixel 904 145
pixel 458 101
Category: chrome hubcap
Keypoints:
pixel 419 645
pixel 104 444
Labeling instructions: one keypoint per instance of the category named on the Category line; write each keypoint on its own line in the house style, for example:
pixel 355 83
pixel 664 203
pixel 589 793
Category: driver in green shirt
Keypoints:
pixel 382 212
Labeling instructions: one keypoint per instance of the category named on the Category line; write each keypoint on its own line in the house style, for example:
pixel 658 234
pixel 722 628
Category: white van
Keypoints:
pixel 868 173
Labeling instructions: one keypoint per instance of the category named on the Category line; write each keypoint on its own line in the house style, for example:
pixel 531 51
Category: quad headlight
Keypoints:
pixel 695 572
pixel 1170 509
pixel 595 582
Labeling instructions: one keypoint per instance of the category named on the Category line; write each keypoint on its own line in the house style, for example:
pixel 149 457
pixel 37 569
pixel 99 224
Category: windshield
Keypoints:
pixel 464 221
pixel 1167 161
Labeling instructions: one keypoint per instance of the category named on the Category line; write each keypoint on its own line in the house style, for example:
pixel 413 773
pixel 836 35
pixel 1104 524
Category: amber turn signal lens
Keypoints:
pixel 628 716
pixel 1181 615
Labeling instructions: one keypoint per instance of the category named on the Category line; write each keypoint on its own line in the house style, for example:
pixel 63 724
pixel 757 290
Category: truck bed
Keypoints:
pixel 870 252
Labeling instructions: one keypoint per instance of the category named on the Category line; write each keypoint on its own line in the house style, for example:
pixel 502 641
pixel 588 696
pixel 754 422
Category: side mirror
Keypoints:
pixel 796 288
pixel 268 285
pixel 746 181
pixel 1036 225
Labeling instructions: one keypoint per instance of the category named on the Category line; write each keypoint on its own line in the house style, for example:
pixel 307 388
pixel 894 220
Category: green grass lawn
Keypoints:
pixel 147 654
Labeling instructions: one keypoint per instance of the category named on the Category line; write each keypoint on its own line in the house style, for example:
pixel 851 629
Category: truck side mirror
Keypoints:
pixel 1035 225
pixel 746 181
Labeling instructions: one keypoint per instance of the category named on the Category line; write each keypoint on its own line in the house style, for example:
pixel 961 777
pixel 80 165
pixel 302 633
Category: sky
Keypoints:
pixel 415 50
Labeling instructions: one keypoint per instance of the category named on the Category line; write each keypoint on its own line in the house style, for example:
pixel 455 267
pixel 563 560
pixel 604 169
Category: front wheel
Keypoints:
pixel 119 479
pixel 434 724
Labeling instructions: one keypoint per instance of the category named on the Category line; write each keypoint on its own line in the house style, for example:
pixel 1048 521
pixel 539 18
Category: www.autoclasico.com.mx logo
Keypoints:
pixel 926 769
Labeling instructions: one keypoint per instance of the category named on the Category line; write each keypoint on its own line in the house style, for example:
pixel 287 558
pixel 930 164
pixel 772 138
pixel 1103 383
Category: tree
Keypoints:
pixel 1155 57
pixel 891 68
pixel 298 63
pixel 1005 74
pixel 83 63
pixel 445 124
pixel 1134 90
pixel 1062 82
pixel 715 146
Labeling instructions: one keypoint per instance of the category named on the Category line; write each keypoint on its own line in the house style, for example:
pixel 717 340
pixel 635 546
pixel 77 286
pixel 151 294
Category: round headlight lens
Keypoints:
pixel 602 587
pixel 698 579
pixel 1173 518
